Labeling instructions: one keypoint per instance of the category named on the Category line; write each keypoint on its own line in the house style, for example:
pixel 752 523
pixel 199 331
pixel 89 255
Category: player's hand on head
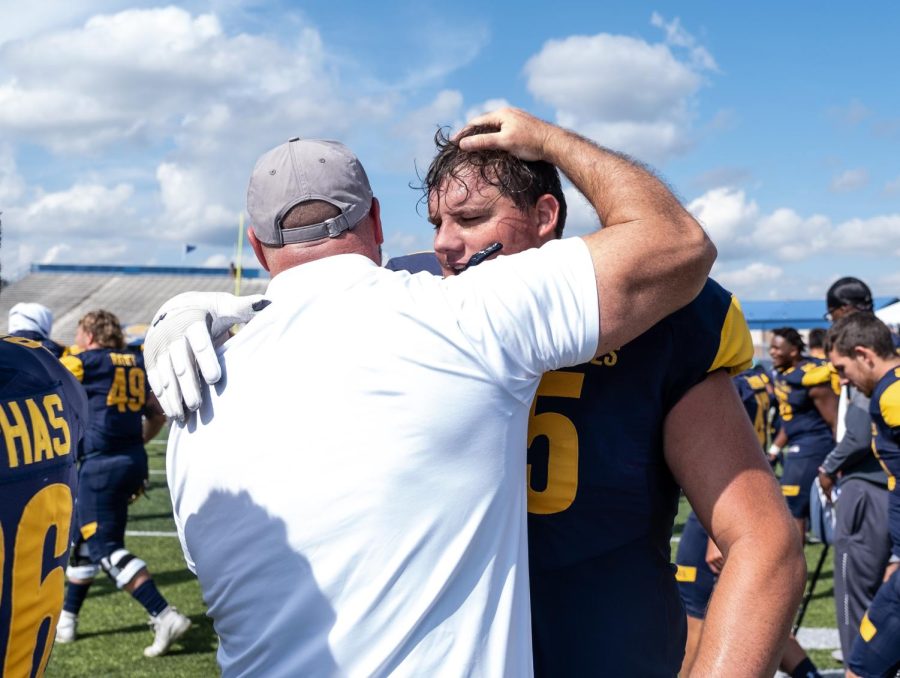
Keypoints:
pixel 520 133
pixel 180 345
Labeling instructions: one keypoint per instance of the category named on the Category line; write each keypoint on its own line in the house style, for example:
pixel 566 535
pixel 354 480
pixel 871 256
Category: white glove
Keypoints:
pixel 182 340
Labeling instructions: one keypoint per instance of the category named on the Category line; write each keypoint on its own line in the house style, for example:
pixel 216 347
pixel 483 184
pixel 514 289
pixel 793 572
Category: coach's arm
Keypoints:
pixel 714 454
pixel 644 272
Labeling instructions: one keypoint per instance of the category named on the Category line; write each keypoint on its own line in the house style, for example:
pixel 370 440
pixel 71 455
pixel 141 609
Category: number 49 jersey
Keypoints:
pixel 602 501
pixel 117 389
pixel 43 412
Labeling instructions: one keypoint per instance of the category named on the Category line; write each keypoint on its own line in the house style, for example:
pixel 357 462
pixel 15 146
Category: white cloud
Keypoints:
pixel 139 75
pixel 11 183
pixel 892 187
pixel 581 217
pixel 622 91
pixel 878 235
pixel 417 128
pixel 189 212
pixel 88 209
pixel 850 180
pixel 754 281
pixel 728 217
pixel 677 36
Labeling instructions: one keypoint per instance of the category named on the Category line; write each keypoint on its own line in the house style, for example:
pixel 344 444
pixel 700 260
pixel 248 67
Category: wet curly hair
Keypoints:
pixel 522 181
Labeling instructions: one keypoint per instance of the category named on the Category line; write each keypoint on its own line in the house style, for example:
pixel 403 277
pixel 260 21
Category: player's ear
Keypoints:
pixel 258 248
pixel 375 213
pixel 546 211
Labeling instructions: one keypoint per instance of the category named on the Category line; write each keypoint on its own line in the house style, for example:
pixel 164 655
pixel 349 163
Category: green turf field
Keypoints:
pixel 113 631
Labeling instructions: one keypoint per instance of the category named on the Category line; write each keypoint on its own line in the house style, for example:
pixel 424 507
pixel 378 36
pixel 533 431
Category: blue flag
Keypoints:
pixel 189 248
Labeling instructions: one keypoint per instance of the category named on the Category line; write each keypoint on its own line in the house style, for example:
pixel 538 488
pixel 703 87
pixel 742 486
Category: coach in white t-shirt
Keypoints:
pixel 351 493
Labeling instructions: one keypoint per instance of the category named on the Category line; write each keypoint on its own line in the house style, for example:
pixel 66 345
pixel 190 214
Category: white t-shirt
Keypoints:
pixel 352 494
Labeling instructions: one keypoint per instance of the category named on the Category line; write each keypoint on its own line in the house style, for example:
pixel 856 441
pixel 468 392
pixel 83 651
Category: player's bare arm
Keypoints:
pixel 644 272
pixel 826 402
pixel 750 612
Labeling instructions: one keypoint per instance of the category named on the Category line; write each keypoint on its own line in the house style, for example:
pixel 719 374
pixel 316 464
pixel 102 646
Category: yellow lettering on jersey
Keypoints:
pixel 14 432
pixel 40 435
pixel 22 341
pixel 74 365
pixel 607 359
pixel 867 629
pixel 123 359
pixel 686 573
pixel 760 423
pixel 735 343
pixel 782 392
pixel 790 490
pixel 54 408
pixel 37 442
pixel 36 598
pixel 562 437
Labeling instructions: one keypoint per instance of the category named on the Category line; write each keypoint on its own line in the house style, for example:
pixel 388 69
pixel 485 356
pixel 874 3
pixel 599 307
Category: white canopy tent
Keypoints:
pixel 890 314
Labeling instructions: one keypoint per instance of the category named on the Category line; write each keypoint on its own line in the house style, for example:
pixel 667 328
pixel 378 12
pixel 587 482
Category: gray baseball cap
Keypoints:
pixel 301 170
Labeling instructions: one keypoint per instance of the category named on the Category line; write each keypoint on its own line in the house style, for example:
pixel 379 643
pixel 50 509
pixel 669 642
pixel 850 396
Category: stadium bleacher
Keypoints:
pixel 133 293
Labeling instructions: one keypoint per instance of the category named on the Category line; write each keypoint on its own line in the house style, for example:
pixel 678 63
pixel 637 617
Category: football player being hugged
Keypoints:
pixel 862 351
pixel 43 414
pixel 610 441
pixel 807 410
pixel 123 416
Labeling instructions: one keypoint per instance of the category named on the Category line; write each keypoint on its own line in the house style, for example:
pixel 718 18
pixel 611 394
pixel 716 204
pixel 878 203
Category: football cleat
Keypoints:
pixel 168 627
pixel 65 628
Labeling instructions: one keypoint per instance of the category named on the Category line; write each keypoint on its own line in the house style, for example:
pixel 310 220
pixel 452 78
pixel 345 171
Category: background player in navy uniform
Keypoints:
pixel 43 414
pixel 605 440
pixel 699 560
pixel 807 409
pixel 862 544
pixel 862 351
pixel 112 472
pixel 34 321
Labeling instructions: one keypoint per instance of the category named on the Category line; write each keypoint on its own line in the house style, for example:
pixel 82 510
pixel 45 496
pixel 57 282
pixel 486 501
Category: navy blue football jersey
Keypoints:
pixel 796 410
pixel 415 263
pixel 602 501
pixel 753 388
pixel 117 389
pixel 56 349
pixel 885 410
pixel 43 412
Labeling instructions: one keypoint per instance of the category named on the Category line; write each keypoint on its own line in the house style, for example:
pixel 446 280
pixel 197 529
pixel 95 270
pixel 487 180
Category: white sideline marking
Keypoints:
pixel 157 472
pixel 818 638
pixel 143 533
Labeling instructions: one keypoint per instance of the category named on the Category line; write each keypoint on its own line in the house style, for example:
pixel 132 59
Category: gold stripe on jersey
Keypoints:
pixel 74 365
pixel 889 403
pixel 815 375
pixel 686 573
pixel 867 629
pixel 89 530
pixel 735 344
pixel 790 490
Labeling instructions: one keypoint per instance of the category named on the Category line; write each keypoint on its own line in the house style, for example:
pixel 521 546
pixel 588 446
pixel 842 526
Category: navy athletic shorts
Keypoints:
pixel 695 580
pixel 800 468
pixel 106 484
pixel 876 650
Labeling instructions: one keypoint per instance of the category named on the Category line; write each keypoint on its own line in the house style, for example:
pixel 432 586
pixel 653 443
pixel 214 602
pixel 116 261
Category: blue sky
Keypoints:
pixel 128 128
